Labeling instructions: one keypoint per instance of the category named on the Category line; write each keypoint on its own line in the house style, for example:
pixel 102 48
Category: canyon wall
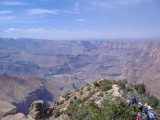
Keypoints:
pixel 47 69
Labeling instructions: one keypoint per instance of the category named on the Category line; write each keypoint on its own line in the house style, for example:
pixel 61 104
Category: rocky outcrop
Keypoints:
pixel 39 110
pixel 7 109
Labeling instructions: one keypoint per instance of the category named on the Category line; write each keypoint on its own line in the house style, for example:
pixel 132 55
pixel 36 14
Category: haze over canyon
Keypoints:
pixel 34 69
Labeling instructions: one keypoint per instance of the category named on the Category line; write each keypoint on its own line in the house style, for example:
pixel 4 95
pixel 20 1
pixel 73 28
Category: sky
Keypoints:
pixel 80 19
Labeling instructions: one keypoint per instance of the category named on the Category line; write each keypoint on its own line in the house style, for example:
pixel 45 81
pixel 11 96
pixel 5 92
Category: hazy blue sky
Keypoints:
pixel 80 19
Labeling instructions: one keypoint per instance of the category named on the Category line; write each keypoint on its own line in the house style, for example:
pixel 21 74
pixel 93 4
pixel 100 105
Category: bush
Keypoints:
pixel 78 101
pixel 71 101
pixel 57 114
pixel 111 110
pixel 75 97
pixel 96 84
pixel 106 87
pixel 82 88
pixel 122 85
pixel 140 88
pixel 91 93
pixel 88 89
pixel 85 98
pixel 128 89
pixel 121 111
pixel 81 92
pixel 66 97
pixel 154 102
pixel 86 112
pixel 100 95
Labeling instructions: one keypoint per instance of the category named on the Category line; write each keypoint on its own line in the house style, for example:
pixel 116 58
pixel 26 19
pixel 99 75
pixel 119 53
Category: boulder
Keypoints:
pixel 18 116
pixel 7 109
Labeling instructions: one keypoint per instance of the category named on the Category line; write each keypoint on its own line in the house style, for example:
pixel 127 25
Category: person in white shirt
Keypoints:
pixel 128 102
pixel 140 106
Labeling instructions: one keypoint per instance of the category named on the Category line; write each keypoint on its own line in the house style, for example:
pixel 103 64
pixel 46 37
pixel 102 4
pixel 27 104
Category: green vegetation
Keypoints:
pixel 122 85
pixel 88 88
pixel 79 101
pixel 81 92
pixel 57 113
pixel 88 96
pixel 121 111
pixel 112 107
pixel 75 97
pixel 96 84
pixel 154 102
pixel 140 88
pixel 66 96
pixel 111 111
pixel 106 87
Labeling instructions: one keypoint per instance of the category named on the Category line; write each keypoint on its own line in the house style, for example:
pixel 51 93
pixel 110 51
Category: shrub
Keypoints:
pixel 120 111
pixel 111 110
pixel 122 85
pixel 88 89
pixel 71 101
pixel 75 97
pixel 91 93
pixel 81 92
pixel 140 88
pixel 128 89
pixel 85 98
pixel 154 102
pixel 78 101
pixel 106 87
pixel 66 97
pixel 57 114
pixel 96 84
pixel 82 88
pixel 100 95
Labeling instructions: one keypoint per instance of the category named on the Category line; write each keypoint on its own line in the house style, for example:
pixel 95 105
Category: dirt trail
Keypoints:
pixel 115 91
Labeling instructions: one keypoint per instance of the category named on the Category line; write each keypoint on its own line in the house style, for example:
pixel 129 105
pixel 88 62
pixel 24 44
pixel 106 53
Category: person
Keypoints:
pixel 140 106
pixel 151 115
pixel 149 108
pixel 134 100
pixel 139 116
pixel 128 102
pixel 145 108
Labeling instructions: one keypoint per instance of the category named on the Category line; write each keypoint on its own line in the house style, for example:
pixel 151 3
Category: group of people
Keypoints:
pixel 148 110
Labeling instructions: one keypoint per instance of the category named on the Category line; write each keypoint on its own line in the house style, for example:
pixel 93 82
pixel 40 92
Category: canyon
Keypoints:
pixel 34 69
